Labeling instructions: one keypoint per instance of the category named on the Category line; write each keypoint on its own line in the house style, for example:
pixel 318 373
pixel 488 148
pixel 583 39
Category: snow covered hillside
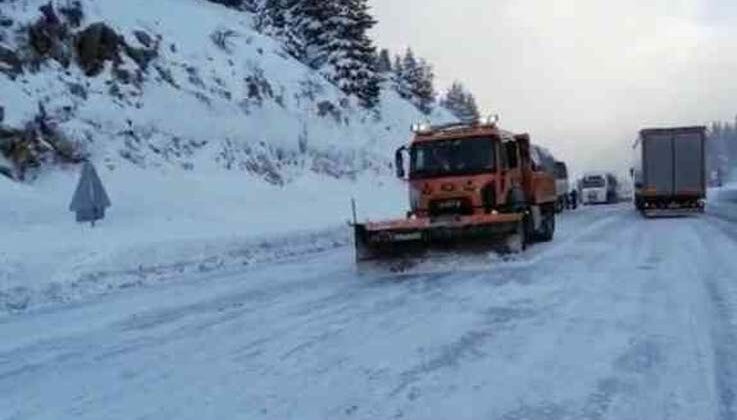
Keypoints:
pixel 196 87
pixel 209 138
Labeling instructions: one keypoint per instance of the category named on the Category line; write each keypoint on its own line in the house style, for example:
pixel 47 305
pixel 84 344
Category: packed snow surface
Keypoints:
pixel 619 318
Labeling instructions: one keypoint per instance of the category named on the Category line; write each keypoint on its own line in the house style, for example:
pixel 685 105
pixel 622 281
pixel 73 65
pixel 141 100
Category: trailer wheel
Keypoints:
pixel 639 203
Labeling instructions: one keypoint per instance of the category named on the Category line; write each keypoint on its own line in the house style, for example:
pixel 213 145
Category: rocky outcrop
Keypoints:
pixel 10 63
pixel 53 36
pixel 37 142
pixel 50 37
pixel 96 45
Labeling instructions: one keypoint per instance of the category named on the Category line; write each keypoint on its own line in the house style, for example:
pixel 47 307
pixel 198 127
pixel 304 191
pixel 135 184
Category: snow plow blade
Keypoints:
pixel 398 238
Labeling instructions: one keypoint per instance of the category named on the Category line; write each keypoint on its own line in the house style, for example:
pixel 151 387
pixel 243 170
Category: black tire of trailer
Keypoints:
pixel 639 203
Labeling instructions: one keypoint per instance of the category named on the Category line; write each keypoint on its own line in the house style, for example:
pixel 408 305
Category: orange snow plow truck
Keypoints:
pixel 469 184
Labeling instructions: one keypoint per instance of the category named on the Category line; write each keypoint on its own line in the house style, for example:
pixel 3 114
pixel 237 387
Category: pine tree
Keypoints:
pixel 235 4
pixel 460 103
pixel 405 68
pixel 331 36
pixel 384 62
pixel 271 17
pixel 315 25
pixel 351 54
pixel 250 5
pixel 398 80
pixel 415 81
pixel 424 87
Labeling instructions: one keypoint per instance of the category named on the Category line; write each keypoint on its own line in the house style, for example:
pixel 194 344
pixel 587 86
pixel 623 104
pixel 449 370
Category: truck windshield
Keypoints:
pixel 452 157
pixel 561 171
pixel 594 182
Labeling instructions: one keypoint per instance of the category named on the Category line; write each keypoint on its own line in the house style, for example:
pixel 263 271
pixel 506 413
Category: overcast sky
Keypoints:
pixel 582 76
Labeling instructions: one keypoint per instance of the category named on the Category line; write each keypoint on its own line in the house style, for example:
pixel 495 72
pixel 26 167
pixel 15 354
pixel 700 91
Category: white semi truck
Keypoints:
pixel 599 188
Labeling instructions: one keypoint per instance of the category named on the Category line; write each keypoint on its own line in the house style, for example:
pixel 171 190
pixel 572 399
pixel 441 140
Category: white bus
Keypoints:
pixel 599 188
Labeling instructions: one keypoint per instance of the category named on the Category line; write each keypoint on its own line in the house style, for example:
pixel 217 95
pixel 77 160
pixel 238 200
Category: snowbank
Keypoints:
pixel 722 202
pixel 164 224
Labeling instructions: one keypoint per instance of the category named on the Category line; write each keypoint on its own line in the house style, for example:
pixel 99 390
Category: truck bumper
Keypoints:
pixel 672 206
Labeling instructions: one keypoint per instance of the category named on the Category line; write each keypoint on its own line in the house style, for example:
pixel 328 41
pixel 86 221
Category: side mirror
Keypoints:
pixel 399 162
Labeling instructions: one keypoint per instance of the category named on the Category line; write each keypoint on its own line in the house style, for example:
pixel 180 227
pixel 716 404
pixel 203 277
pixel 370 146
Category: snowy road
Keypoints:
pixel 619 318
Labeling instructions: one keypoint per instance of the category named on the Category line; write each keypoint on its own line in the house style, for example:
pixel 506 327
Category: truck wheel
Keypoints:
pixel 559 206
pixel 547 230
pixel 639 203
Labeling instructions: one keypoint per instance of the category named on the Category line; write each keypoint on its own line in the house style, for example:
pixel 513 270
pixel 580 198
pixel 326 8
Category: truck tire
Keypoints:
pixel 560 205
pixel 547 228
pixel 639 203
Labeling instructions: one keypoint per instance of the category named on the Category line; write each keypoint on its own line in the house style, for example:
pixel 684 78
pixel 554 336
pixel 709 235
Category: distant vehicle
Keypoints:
pixel 669 170
pixel 599 188
pixel 467 183
pixel 562 185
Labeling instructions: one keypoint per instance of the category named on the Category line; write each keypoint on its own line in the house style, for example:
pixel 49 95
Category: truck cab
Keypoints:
pixel 598 188
pixel 467 170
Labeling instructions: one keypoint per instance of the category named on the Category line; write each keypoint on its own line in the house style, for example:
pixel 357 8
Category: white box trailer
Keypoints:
pixel 669 169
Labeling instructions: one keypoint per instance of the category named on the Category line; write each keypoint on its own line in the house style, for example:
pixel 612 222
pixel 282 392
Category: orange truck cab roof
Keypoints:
pixel 460 131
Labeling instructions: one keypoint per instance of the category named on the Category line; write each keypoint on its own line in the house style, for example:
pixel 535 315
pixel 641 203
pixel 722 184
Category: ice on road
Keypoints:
pixel 619 318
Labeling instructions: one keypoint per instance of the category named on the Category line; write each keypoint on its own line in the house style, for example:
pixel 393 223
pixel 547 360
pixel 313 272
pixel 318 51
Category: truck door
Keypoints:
pixel 658 164
pixel 525 163
pixel 510 168
pixel 689 167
